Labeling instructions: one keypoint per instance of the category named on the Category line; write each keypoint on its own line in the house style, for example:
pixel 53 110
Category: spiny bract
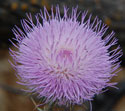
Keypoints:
pixel 65 60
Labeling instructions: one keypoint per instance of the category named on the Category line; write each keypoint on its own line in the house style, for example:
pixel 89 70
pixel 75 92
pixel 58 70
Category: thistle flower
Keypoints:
pixel 65 60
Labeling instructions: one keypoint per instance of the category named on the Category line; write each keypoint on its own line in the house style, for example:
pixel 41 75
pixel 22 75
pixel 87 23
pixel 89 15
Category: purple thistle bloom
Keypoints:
pixel 65 60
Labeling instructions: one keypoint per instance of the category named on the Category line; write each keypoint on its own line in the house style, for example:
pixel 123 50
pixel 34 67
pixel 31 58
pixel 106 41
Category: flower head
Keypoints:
pixel 63 59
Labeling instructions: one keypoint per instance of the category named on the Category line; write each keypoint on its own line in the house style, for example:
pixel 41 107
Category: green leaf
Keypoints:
pixel 39 109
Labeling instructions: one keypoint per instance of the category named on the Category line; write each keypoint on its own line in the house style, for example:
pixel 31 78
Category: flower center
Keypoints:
pixel 65 54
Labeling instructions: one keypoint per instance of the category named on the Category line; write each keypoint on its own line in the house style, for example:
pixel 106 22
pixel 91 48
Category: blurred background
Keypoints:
pixel 112 12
